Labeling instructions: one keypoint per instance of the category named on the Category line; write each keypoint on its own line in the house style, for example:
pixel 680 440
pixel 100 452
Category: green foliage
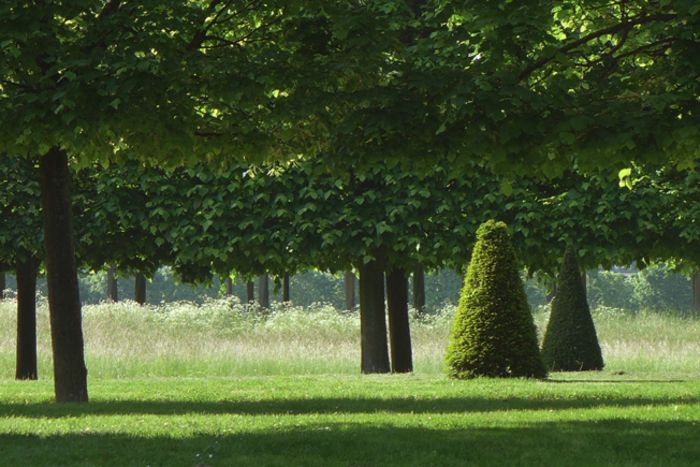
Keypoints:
pixel 493 333
pixel 570 342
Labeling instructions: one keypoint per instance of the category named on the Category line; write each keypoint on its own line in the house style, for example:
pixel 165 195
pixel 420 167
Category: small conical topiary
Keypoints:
pixel 570 341
pixel 493 333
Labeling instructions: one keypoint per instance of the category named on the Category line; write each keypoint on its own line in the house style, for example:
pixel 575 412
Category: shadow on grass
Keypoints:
pixel 616 381
pixel 605 442
pixel 327 406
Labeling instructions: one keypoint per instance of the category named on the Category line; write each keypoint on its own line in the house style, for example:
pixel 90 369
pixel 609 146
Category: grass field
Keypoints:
pixel 220 385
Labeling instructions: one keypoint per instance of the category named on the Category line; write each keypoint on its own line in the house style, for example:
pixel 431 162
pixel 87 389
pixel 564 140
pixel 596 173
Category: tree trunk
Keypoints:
pixel 349 281
pixel 26 319
pixel 112 291
pixel 250 292
pixel 696 294
pixel 375 354
pixel 70 374
pixel 140 289
pixel 263 292
pixel 3 284
pixel 399 330
pixel 285 288
pixel 584 282
pixel 229 286
pixel 419 289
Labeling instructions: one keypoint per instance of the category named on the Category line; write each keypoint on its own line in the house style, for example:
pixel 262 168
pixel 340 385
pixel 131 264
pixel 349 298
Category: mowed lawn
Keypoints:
pixel 143 413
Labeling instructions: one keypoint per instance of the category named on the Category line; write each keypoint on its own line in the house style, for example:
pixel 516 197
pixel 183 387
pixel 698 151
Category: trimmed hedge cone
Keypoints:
pixel 493 333
pixel 570 341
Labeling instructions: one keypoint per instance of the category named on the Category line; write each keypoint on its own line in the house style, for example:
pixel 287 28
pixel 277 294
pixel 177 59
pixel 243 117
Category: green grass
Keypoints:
pixel 182 385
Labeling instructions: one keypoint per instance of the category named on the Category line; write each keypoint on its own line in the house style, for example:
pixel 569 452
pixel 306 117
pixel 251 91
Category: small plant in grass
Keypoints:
pixel 493 333
pixel 570 341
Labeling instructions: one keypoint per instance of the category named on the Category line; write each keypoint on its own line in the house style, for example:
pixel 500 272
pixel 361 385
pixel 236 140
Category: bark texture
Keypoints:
pixel 140 289
pixel 399 328
pixel 112 286
pixel 26 271
pixel 264 291
pixel 70 373
pixel 250 292
pixel 285 288
pixel 3 285
pixel 374 351
pixel 349 281
pixel 419 289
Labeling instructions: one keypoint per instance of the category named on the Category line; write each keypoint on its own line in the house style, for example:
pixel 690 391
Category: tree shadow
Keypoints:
pixel 616 381
pixel 329 406
pixel 603 442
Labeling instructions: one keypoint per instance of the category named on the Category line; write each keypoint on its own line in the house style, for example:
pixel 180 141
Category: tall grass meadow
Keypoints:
pixel 226 338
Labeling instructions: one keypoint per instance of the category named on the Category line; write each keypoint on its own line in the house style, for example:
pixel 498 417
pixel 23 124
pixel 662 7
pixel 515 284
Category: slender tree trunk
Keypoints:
pixel 696 294
pixel 349 282
pixel 399 329
pixel 3 285
pixel 140 289
pixel 70 373
pixel 419 289
pixel 285 288
pixel 26 319
pixel 264 291
pixel 112 286
pixel 584 282
pixel 250 292
pixel 375 354
pixel 229 286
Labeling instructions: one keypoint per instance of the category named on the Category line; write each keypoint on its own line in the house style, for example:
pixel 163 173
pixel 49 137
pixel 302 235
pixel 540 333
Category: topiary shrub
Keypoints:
pixel 493 333
pixel 570 341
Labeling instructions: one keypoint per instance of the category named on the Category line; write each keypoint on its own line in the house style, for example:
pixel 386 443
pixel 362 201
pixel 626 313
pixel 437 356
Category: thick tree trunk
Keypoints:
pixel 419 289
pixel 375 354
pixel 285 288
pixel 250 292
pixel 229 286
pixel 2 285
pixel 26 319
pixel 349 281
pixel 263 291
pixel 696 294
pixel 70 374
pixel 140 289
pixel 399 330
pixel 112 290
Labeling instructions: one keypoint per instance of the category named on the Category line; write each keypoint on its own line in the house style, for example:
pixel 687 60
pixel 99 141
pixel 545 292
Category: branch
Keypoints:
pixel 110 7
pixel 199 37
pixel 614 29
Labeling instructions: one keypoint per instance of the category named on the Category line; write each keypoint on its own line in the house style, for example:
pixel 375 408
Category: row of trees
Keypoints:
pixel 523 89
pixel 384 223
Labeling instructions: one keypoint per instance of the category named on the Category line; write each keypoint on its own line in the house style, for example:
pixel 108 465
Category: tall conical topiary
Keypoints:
pixel 570 341
pixel 493 333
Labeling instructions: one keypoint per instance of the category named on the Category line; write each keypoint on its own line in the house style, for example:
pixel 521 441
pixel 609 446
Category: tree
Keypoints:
pixel 112 286
pixel 140 289
pixel 570 342
pixel 493 333
pixel 399 330
pixel 349 286
pixel 20 245
pixel 91 80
